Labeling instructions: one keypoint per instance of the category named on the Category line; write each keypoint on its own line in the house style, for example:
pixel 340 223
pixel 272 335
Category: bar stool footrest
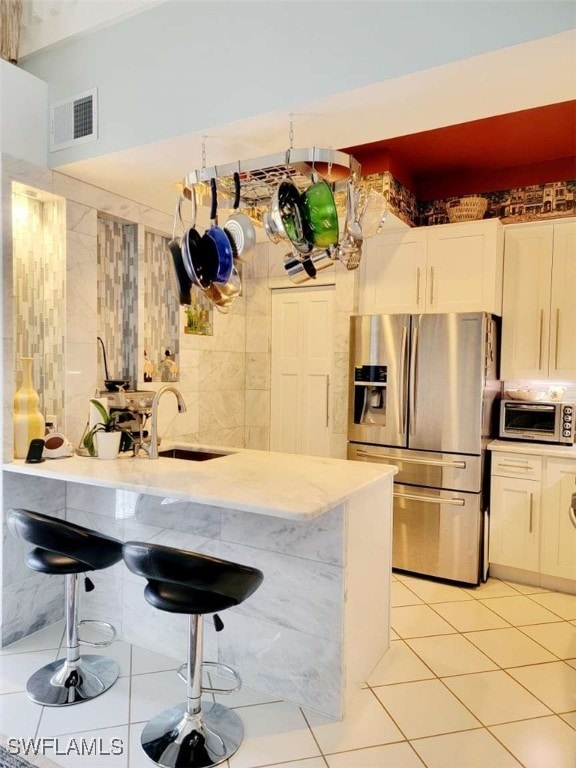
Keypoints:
pixel 219 669
pixel 98 625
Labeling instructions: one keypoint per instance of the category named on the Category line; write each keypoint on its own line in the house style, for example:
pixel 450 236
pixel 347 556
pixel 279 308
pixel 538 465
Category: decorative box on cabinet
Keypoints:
pixel 444 268
pixel 539 310
pixel 515 511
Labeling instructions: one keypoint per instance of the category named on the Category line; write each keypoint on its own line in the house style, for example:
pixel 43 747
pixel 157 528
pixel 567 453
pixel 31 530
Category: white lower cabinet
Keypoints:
pixel 558 528
pixel 515 512
pixel 532 526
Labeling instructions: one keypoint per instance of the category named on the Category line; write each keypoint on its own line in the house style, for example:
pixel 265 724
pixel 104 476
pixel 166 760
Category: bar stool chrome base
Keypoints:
pixel 65 682
pixel 176 738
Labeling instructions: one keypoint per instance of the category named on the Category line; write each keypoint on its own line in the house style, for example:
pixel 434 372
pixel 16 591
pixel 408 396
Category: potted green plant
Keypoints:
pixel 103 439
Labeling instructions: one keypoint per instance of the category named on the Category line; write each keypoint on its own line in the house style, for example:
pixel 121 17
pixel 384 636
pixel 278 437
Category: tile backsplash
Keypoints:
pixel 39 280
pixel 118 298
pixel 161 309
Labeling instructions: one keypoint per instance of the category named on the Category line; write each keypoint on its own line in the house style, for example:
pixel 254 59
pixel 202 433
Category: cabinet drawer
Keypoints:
pixel 516 465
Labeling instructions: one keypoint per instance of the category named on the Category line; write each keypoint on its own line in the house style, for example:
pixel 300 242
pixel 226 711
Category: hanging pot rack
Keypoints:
pixel 260 176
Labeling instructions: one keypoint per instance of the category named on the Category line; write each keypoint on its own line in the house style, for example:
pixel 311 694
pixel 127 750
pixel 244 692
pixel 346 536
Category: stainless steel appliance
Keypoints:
pixel 422 396
pixel 133 407
pixel 542 422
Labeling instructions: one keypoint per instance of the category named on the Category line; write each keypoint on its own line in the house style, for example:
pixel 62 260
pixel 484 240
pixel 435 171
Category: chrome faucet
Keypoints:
pixel 151 448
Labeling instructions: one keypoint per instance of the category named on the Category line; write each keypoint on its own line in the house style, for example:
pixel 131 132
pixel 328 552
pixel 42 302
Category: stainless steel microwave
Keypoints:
pixel 540 421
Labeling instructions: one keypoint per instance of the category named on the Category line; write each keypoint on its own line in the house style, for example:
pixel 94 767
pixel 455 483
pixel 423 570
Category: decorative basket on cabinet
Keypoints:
pixel 467 209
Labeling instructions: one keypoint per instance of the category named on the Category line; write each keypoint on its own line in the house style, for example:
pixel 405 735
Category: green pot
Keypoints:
pixel 320 215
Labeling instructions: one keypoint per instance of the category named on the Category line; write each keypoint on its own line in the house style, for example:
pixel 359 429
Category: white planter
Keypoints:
pixel 107 444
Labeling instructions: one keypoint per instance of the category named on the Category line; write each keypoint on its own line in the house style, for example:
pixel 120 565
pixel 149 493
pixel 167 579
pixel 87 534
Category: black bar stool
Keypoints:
pixel 68 549
pixel 197 733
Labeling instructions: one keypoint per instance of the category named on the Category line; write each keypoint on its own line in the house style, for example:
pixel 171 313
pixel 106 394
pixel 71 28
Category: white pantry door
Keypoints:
pixel 301 367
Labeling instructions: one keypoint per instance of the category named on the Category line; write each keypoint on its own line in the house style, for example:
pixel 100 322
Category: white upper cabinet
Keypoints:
pixel 393 273
pixel 445 268
pixel 563 303
pixel 539 309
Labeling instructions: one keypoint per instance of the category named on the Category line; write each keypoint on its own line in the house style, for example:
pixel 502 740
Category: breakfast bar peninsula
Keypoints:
pixel 318 528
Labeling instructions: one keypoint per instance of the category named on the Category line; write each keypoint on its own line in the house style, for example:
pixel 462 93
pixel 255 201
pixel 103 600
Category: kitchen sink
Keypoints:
pixel 190 454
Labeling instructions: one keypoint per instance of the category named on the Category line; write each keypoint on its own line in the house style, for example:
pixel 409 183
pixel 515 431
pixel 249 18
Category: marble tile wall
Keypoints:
pixel 278 631
pixel 161 319
pixel 30 600
pixel 84 204
pixel 117 308
pixel 212 375
pixel 39 266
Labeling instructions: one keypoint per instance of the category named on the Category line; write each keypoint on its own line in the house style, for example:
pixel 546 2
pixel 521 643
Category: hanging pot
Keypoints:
pixel 232 288
pixel 239 228
pixel 350 248
pixel 293 221
pixel 219 239
pixel 199 265
pixel 373 215
pixel 322 259
pixel 320 215
pixel 215 295
pixel 352 225
pixel 274 232
pixel 182 278
pixel 299 270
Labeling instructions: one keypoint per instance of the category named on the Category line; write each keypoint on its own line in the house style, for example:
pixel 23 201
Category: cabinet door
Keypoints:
pixel 526 302
pixel 393 273
pixel 563 305
pixel 558 527
pixel 514 522
pixel 465 268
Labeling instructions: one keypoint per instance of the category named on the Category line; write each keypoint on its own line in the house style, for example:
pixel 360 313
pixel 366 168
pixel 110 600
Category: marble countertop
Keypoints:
pixel 544 450
pixel 276 484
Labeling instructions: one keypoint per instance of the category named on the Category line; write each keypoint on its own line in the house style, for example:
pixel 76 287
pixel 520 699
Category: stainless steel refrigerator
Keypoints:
pixel 423 391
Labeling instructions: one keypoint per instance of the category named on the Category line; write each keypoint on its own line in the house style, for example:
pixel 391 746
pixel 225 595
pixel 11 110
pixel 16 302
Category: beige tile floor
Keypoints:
pixel 474 678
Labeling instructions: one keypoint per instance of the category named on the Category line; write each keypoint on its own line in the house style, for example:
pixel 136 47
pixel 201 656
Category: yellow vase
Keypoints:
pixel 28 419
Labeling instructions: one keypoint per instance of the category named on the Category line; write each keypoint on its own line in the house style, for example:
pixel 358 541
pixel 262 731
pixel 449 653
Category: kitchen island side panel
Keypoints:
pixel 306 635
pixel 367 582
pixel 30 600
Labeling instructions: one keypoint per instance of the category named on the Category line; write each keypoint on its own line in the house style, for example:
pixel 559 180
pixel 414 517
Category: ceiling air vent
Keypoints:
pixel 73 121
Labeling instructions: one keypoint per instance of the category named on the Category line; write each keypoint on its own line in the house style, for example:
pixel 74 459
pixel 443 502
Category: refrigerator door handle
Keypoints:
pixel 428 462
pixel 413 364
pixel 402 381
pixel 454 501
